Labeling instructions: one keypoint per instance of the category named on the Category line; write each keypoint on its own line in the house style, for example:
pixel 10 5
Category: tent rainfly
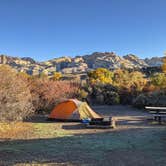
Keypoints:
pixel 72 110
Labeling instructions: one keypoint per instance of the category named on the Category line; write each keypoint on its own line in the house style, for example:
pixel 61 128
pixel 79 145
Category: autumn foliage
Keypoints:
pixel 15 96
pixel 164 65
pixel 100 75
pixel 56 76
pixel 21 94
pixel 131 81
pixel 47 93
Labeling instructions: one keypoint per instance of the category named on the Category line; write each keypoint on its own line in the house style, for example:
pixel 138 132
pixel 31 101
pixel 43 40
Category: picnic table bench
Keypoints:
pixel 157 112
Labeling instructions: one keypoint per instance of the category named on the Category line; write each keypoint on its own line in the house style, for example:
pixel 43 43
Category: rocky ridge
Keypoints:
pixel 79 64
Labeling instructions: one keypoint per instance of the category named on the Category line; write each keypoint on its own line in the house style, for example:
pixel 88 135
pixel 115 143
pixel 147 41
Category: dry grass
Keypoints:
pixel 15 130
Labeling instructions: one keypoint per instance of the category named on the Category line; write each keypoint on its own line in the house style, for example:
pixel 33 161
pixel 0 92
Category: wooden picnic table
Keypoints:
pixel 157 112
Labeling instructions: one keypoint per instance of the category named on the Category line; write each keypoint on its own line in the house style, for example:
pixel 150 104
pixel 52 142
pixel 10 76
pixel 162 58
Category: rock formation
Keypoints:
pixel 79 64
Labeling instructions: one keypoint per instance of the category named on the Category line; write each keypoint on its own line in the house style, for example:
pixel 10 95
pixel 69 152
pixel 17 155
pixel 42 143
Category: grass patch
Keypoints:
pixel 15 130
pixel 27 130
pixel 49 130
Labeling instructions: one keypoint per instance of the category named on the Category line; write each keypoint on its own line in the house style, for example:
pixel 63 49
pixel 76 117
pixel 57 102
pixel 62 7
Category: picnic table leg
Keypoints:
pixel 159 119
pixel 155 118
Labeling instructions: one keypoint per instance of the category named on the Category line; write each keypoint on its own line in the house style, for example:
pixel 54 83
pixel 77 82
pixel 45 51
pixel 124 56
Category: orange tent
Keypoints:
pixel 72 109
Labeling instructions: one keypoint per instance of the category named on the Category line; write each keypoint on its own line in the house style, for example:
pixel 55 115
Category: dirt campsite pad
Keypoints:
pixel 136 141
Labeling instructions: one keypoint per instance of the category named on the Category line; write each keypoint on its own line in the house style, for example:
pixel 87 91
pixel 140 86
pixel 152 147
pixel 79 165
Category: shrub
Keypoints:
pixel 140 101
pixel 56 76
pixel 15 96
pixel 46 93
pixel 111 98
pixel 164 65
pixel 158 80
pixel 126 96
pixel 150 88
pixel 82 94
pixel 157 98
pixel 105 94
pixel 131 81
pixel 129 84
pixel 100 75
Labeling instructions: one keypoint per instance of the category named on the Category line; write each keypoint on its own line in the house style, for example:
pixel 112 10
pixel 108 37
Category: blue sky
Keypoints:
pixel 45 29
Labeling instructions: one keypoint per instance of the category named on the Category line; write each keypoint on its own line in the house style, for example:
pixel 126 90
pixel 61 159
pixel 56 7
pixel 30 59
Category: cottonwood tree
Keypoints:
pixel 56 76
pixel 164 65
pixel 100 75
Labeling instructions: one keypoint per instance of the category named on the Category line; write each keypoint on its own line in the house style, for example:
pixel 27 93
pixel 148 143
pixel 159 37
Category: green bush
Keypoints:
pixel 159 80
pixel 140 101
pixel 105 94
pixel 82 94
pixel 157 98
pixel 111 98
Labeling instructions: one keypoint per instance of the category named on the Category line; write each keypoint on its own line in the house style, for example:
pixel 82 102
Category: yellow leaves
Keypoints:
pixel 164 65
pixel 159 80
pixel 56 76
pixel 119 78
pixel 100 75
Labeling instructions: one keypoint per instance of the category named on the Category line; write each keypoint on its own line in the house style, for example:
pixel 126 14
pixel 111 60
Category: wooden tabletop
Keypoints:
pixel 155 108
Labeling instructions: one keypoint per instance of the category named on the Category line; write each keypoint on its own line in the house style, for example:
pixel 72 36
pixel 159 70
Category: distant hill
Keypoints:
pixel 79 64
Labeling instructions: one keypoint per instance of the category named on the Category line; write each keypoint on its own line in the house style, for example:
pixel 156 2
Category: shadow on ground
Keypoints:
pixel 128 147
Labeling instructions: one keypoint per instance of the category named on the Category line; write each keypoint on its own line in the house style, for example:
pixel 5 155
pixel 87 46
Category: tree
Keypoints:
pixel 100 75
pixel 159 80
pixel 131 81
pixel 120 77
pixel 15 96
pixel 138 81
pixel 56 76
pixel 164 65
pixel 47 93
